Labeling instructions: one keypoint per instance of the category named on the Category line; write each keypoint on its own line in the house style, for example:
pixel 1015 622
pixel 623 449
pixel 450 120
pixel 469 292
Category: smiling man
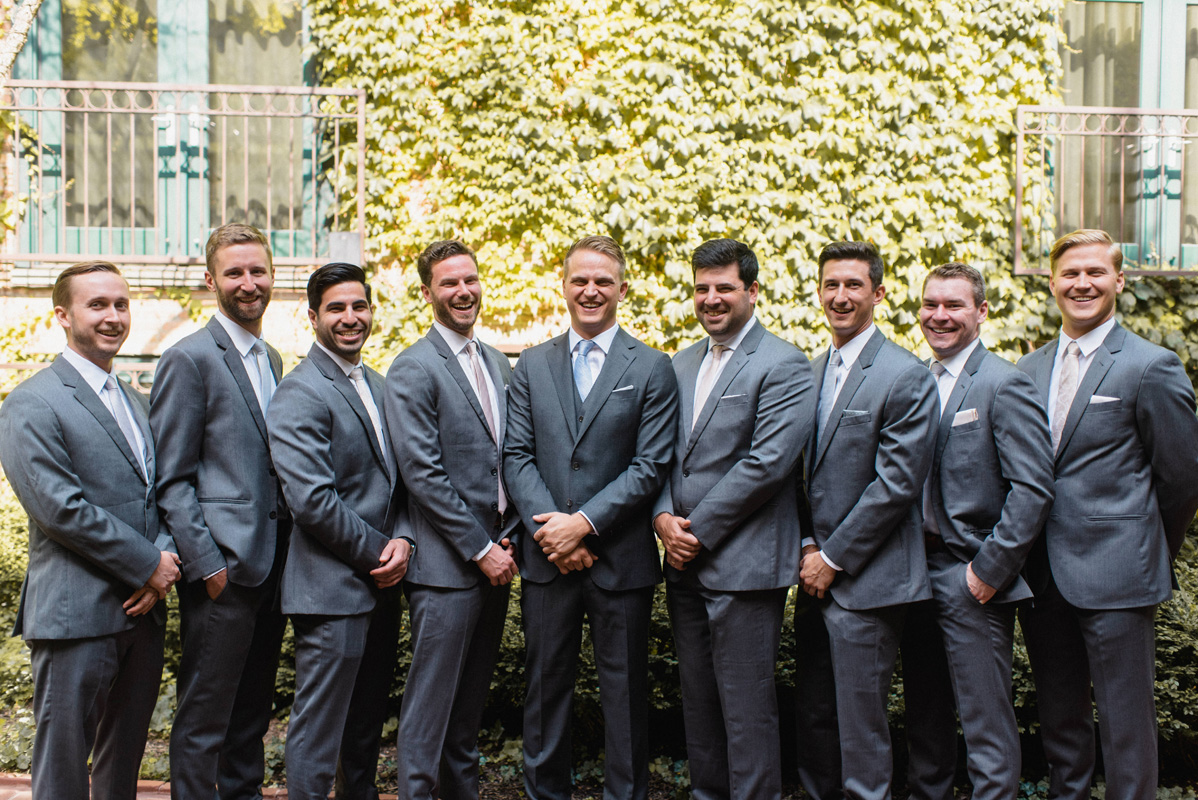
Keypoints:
pixel 984 503
pixel 591 423
pixel 1121 413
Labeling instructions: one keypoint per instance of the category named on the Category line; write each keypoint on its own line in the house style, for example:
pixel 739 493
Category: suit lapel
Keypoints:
pixel 375 383
pixel 458 374
pixel 237 369
pixel 615 364
pixel 71 378
pixel 563 379
pixel 1095 372
pixel 736 362
pixel 1042 375
pixel 687 365
pixel 957 397
pixel 142 419
pixel 345 387
pixel 851 382
pixel 492 368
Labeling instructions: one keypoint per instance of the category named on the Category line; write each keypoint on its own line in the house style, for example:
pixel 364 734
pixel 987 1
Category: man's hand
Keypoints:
pixel 816 576
pixel 216 584
pixel 140 601
pixel 393 563
pixel 981 591
pixel 675 534
pixel 561 533
pixel 580 558
pixel 165 575
pixel 498 565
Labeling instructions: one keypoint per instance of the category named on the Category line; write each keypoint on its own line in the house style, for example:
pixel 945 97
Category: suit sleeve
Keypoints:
pixel 413 416
pixel 1169 431
pixel 37 463
pixel 523 480
pixel 906 443
pixel 1022 441
pixel 785 411
pixel 641 482
pixel 300 425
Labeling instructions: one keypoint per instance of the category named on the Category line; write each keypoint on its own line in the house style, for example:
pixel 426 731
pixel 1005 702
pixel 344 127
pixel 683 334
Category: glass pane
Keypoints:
pixel 1189 229
pixel 1101 54
pixel 109 40
pixel 257 42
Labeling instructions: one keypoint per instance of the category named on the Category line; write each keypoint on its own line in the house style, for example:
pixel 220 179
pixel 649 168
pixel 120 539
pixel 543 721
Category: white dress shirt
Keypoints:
pixel 244 341
pixel 731 343
pixel 97 378
pixel 1087 343
pixel 595 359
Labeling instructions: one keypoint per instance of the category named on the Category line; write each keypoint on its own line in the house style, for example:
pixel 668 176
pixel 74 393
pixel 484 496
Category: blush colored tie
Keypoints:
pixel 703 390
pixel 583 379
pixel 1066 389
pixel 484 398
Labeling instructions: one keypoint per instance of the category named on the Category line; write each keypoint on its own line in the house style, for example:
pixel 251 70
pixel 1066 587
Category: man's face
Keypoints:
pixel 848 298
pixel 344 319
pixel 1085 283
pixel 949 316
pixel 723 303
pixel 242 279
pixel 593 292
pixel 455 293
pixel 96 319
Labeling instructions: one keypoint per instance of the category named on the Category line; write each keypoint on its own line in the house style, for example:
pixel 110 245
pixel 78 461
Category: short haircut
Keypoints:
pixel 1083 237
pixel 231 234
pixel 958 270
pixel 437 252
pixel 604 245
pixel 61 295
pixel 331 275
pixel 722 252
pixel 854 251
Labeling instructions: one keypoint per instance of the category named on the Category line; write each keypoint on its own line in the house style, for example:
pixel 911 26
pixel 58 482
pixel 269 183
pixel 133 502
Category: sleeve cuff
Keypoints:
pixel 213 575
pixel 594 530
pixel 829 561
pixel 479 555
pixel 808 541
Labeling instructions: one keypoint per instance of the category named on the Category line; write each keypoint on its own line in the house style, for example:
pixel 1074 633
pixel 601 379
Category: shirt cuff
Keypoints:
pixel 479 555
pixel 213 575
pixel 810 540
pixel 829 561
pixel 594 530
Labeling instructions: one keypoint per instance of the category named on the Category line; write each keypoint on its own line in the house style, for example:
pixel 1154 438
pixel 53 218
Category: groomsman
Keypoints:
pixel 729 521
pixel 1125 438
pixel 75 445
pixel 447 402
pixel 984 503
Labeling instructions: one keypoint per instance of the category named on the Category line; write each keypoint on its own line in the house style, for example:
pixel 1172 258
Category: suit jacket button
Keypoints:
pixel 580 417
pixel 575 466
pixel 569 504
pixel 274 515
pixel 686 473
pixel 272 472
pixel 495 506
pixel 494 473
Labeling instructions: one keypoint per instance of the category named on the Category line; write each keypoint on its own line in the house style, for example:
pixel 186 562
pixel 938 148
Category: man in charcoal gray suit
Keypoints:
pixel 447 396
pixel 729 521
pixel 1121 413
pixel 338 474
pixel 75 445
pixel 985 501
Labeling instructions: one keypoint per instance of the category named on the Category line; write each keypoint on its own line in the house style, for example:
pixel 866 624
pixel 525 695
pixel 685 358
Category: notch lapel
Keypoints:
pixel 458 374
pixel 563 380
pixel 614 366
pixel 1103 359
pixel 87 398
pixel 240 377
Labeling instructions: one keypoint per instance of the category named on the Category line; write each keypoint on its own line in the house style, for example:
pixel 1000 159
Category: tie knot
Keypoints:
pixel 1073 350
pixel 471 347
pixel 110 383
pixel 356 374
pixel 834 360
pixel 718 350
pixel 259 348
pixel 938 369
pixel 584 347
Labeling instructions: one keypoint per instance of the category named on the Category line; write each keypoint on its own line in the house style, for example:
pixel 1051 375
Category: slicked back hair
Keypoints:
pixel 604 245
pixel 1082 237
pixel 722 252
pixel 437 252
pixel 854 251
pixel 231 234
pixel 331 275
pixel 61 294
pixel 961 271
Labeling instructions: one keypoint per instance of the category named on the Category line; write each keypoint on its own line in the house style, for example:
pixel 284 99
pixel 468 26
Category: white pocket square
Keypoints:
pixel 622 389
pixel 848 412
pixel 730 396
pixel 1102 398
pixel 962 417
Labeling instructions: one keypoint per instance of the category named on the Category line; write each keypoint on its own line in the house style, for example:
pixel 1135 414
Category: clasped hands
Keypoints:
pixel 560 538
pixel 675 533
pixel 165 575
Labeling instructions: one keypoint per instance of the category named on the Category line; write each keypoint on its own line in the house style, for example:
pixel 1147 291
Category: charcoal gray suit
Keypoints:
pixel 340 486
pixel 608 457
pixel 991 488
pixel 93 541
pixel 220 500
pixel 1124 493
pixel 735 477
pixel 449 462
pixel 865 479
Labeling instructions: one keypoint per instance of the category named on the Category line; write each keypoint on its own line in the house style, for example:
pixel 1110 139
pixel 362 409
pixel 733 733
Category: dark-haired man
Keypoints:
pixel 729 521
pixel 75 444
pixel 875 433
pixel 1121 414
pixel 331 449
pixel 447 396
pixel 220 500
pixel 591 421
pixel 984 503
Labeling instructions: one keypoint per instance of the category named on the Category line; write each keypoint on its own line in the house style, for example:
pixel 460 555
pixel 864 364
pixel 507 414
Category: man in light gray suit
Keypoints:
pixel 220 500
pixel 75 444
pixel 873 448
pixel 985 500
pixel 1121 413
pixel 339 478
pixel 447 397
pixel 591 422
pixel 729 521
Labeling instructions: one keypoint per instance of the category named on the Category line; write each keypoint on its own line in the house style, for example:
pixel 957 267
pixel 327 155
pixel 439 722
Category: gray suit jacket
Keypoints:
pixel 866 476
pixel 1125 475
pixel 992 473
pixel 448 459
pixel 217 488
pixel 338 484
pixel 607 457
pixel 93 524
pixel 736 473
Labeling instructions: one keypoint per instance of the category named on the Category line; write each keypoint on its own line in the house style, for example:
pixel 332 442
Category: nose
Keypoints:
pixel 247 283
pixel 1083 281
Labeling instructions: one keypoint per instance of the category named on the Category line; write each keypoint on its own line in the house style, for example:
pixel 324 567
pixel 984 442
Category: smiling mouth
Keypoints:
pixel 942 330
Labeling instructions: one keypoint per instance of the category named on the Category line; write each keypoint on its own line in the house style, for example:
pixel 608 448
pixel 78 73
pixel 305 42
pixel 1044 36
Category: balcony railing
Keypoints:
pixel 140 174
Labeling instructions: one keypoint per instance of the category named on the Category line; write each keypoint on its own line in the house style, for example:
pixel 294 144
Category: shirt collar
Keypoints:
pixel 345 366
pixel 243 340
pixel 955 363
pixel 603 340
pixel 734 342
pixel 852 349
pixel 92 375
pixel 456 341
pixel 1088 342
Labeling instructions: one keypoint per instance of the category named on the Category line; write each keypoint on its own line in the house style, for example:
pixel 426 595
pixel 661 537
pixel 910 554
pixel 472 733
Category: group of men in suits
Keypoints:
pixel 917 505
